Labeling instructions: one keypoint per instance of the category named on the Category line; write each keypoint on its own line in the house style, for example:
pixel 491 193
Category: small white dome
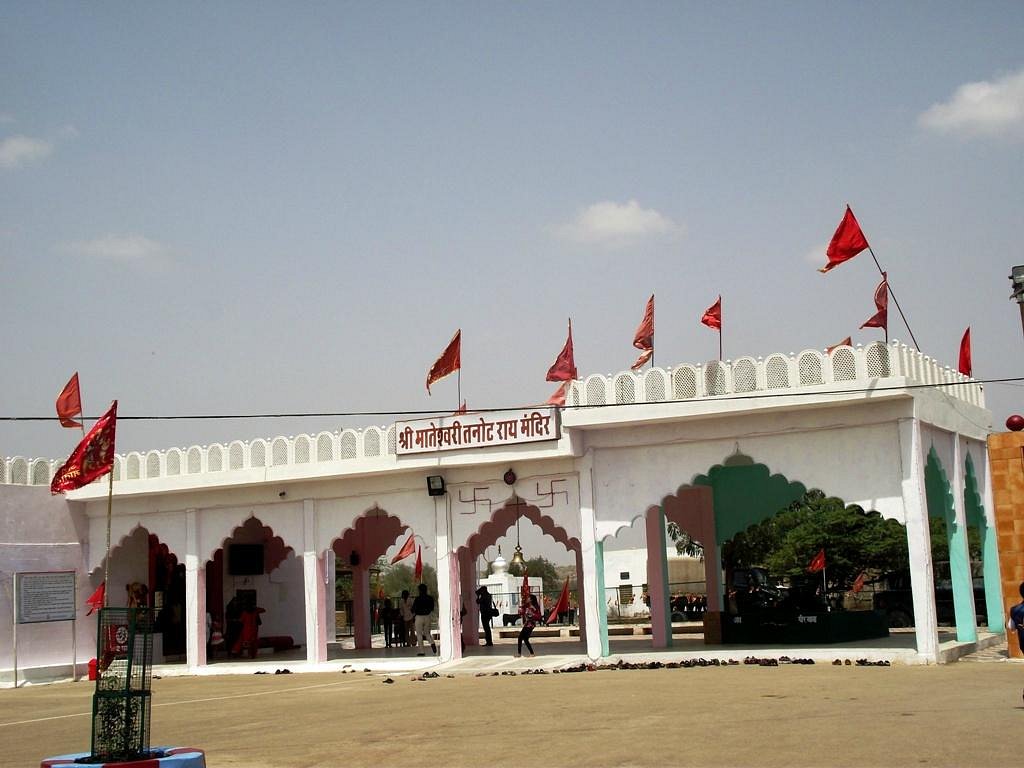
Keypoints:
pixel 498 566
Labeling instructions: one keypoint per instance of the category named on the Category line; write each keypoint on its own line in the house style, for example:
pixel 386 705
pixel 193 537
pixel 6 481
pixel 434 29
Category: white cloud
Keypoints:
pixel 18 150
pixel 128 249
pixel 610 223
pixel 988 108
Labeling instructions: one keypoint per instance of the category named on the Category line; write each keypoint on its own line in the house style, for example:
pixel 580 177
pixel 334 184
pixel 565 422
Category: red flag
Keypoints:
pixel 92 458
pixel 559 397
pixel 418 571
pixel 846 243
pixel 524 590
pixel 858 583
pixel 881 318
pixel 461 409
pixel 562 605
pixel 95 601
pixel 380 591
pixel 644 337
pixel 449 362
pixel 965 353
pixel 847 342
pixel 69 403
pixel 564 368
pixel 407 549
pixel 817 563
pixel 712 316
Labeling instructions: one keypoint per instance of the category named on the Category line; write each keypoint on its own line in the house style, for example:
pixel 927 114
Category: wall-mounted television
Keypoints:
pixel 245 559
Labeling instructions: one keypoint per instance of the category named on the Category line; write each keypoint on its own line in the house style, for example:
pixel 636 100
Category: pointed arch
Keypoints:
pixel 370 535
pixel 504 517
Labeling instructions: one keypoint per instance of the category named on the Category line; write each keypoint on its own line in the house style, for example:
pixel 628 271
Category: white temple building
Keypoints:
pixel 714 447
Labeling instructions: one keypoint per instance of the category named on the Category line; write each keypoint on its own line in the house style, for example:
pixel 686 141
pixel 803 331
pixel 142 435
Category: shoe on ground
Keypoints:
pixel 519 655
pixel 419 654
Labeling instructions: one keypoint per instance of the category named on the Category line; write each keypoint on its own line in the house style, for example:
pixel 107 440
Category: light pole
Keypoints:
pixel 1017 278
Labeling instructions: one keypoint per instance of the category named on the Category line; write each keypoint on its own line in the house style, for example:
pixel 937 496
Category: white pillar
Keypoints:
pixel 447 583
pixel 328 619
pixel 919 545
pixel 195 596
pixel 592 592
pixel 312 571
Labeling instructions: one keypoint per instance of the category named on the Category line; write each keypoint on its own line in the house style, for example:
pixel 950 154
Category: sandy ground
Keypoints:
pixel 957 715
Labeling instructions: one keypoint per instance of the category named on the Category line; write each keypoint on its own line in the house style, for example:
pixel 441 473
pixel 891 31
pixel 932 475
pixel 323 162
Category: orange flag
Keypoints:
pixel 846 243
pixel 881 318
pixel 92 458
pixel 712 316
pixel 858 583
pixel 644 337
pixel 564 367
pixel 817 563
pixel 69 403
pixel 847 342
pixel 95 601
pixel 407 549
pixel 418 572
pixel 965 366
pixel 562 605
pixel 559 397
pixel 449 362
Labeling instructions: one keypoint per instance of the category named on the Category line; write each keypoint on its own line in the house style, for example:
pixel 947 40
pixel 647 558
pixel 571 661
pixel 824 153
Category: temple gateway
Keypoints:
pixel 714 448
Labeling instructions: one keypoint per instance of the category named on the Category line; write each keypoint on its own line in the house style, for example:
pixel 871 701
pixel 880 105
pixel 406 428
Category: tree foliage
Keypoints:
pixel 854 541
pixel 395 578
pixel 686 545
pixel 540 567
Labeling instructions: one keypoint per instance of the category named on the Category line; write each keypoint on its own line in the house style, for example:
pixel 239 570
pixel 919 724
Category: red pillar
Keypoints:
pixel 361 606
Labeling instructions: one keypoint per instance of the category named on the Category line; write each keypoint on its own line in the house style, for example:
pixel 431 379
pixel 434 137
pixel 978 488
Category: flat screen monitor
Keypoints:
pixel 245 559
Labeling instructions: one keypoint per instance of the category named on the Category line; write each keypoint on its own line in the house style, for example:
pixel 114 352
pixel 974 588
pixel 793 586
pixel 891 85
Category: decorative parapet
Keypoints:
pixel 775 373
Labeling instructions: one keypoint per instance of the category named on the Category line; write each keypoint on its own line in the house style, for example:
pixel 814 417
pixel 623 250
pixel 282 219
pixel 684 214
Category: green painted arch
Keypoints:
pixel 938 490
pixel 744 493
pixel 973 506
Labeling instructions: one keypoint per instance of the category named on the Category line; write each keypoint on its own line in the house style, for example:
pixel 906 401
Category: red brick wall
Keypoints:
pixel 1006 461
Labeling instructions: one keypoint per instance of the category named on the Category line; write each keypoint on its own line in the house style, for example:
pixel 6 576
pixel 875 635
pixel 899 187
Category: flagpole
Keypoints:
pixel 719 343
pixel 106 560
pixel 458 391
pixel 895 301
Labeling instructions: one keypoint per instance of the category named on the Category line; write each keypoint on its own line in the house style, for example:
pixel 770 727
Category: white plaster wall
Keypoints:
pixel 169 527
pixel 335 516
pixel 40 532
pixel 281 593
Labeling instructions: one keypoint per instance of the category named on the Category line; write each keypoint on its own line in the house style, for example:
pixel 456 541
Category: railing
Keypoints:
pixel 775 373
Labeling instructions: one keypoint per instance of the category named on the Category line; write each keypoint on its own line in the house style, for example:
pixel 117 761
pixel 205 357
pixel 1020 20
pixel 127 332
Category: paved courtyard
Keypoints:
pixel 791 715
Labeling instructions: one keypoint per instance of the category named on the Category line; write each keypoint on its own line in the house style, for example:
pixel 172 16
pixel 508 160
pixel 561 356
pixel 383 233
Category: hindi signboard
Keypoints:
pixel 477 430
pixel 45 596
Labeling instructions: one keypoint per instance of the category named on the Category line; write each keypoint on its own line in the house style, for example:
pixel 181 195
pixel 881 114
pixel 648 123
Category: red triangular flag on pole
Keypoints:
pixel 562 605
pixel 881 318
pixel 817 563
pixel 461 409
pixel 847 342
pixel 449 362
pixel 564 368
pixel 407 549
pixel 418 571
pixel 644 337
pixel 847 242
pixel 92 458
pixel 712 316
pixel 559 397
pixel 965 353
pixel 69 403
pixel 524 590
pixel 858 583
pixel 95 601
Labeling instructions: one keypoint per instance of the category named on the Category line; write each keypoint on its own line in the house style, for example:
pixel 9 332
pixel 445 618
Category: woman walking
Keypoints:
pixel 530 612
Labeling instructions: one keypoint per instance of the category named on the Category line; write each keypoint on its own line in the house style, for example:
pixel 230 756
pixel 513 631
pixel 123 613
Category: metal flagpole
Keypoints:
pixel 106 560
pixel 895 301
pixel 719 341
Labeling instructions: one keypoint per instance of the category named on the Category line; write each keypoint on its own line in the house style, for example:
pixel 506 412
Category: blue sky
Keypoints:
pixel 236 208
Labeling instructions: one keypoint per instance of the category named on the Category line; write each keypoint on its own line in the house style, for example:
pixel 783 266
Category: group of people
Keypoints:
pixel 407 623
pixel 692 605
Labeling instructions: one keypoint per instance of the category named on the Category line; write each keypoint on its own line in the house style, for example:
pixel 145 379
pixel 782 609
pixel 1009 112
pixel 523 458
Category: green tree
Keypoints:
pixel 398 577
pixel 854 541
pixel 685 544
pixel 540 567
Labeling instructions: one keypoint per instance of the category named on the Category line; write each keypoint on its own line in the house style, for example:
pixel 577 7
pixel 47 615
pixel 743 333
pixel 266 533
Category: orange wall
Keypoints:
pixel 1006 460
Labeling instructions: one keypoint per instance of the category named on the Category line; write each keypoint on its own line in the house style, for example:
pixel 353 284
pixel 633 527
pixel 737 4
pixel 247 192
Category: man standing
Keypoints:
pixel 422 607
pixel 485 603
pixel 407 619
